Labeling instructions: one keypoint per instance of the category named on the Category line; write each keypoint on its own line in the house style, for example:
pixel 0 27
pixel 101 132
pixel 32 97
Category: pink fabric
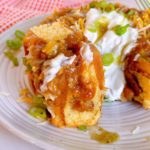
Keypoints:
pixel 13 11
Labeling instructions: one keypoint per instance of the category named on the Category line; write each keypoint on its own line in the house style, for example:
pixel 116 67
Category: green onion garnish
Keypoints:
pixel 82 128
pixel 99 25
pixel 102 21
pixel 110 7
pixel 14 44
pixel 95 27
pixel 37 112
pixel 102 4
pixel 25 62
pixel 92 29
pixel 131 12
pixel 93 4
pixel 11 57
pixel 108 59
pixel 19 34
pixel 38 101
pixel 120 30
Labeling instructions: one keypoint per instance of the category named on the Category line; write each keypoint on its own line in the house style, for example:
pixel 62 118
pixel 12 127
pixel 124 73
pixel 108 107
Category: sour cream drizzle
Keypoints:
pixel 86 53
pixel 52 67
pixel 112 43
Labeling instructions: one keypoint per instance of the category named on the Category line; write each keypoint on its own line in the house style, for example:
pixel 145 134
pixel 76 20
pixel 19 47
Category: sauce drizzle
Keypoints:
pixel 104 136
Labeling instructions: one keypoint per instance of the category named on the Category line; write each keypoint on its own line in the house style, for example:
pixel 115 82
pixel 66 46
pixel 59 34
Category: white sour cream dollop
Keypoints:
pixel 86 53
pixel 112 43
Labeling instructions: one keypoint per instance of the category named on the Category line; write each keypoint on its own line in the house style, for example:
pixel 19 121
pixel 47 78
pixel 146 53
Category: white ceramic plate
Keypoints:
pixel 120 117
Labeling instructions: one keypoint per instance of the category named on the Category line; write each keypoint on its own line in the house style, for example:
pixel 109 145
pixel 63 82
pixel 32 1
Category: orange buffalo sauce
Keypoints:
pixel 79 80
pixel 83 97
pixel 61 85
pixel 98 67
pixel 83 88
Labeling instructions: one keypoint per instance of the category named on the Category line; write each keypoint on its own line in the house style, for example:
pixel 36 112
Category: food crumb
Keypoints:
pixel 136 57
pixel 2 93
pixel 42 123
pixel 136 130
pixel 148 138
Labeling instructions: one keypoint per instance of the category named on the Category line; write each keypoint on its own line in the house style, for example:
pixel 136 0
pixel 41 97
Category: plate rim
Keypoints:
pixel 8 126
pixel 3 121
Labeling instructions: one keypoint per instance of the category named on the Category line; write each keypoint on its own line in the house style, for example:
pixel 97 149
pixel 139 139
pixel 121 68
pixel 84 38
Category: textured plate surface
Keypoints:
pixel 117 116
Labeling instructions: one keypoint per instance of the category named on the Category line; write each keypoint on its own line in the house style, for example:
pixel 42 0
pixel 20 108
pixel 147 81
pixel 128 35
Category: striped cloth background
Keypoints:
pixel 12 11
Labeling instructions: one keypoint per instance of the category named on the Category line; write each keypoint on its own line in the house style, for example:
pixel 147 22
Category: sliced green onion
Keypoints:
pixel 124 14
pixel 110 7
pixel 19 34
pixel 118 59
pixel 95 27
pixel 92 29
pixel 108 59
pixel 100 34
pixel 37 112
pixel 120 30
pixel 14 44
pixel 82 128
pixel 99 24
pixel 103 21
pixel 11 57
pixel 38 101
pixel 102 4
pixel 131 12
pixel 93 4
pixel 25 62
